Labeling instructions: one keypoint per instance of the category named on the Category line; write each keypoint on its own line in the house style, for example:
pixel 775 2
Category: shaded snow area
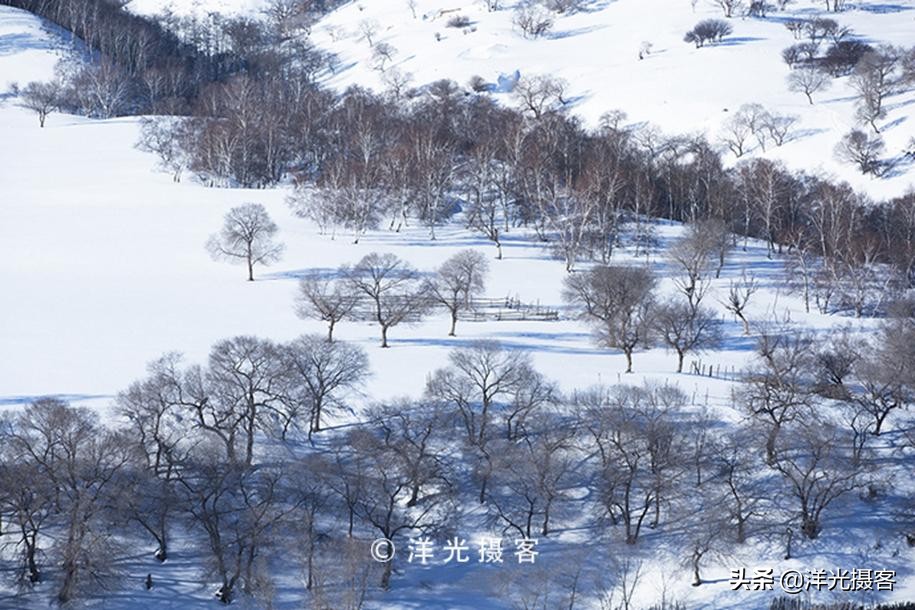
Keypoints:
pixel 104 268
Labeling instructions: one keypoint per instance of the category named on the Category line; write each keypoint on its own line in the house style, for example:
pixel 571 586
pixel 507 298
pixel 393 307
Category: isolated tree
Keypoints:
pixel 392 288
pixel 458 281
pixel 617 302
pixel 325 298
pixel 779 127
pixel 684 328
pixel 863 150
pixel 736 134
pixel 320 376
pixel 808 80
pixel 41 98
pixel 247 236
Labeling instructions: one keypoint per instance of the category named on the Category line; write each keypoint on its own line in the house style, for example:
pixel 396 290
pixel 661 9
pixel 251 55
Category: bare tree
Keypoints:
pixel 730 7
pixel 83 462
pixel 236 395
pixel 321 375
pixel 531 479
pixel 739 294
pixel 817 470
pixel 694 257
pixel 540 94
pixel 778 389
pixel 636 450
pixel 618 302
pixel 387 483
pixel 414 432
pixel 247 236
pixel 41 98
pixel 740 489
pixel 238 511
pixel 882 386
pixel 863 150
pixel 392 288
pixel 533 19
pixel 162 437
pixel 708 30
pixel 685 329
pixel 780 126
pixel 875 77
pixel 325 298
pixel 808 80
pixel 28 503
pixel 477 381
pixel 458 281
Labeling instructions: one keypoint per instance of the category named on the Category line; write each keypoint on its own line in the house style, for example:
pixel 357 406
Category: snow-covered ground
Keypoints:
pixel 104 267
pixel 677 87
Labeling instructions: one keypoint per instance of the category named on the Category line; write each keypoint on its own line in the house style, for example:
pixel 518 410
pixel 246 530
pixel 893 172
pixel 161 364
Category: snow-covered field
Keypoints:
pixel 677 87
pixel 104 267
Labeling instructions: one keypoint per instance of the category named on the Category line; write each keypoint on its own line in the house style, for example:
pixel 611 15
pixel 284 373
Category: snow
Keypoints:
pixel 104 266
pixel 677 87
pixel 196 7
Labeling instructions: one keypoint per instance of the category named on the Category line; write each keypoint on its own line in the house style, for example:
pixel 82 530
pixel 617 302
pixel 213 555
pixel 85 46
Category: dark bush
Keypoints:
pixel 842 57
pixel 708 30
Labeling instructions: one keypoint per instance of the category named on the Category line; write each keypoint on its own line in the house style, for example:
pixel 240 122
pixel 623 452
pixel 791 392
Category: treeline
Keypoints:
pixel 257 117
pixel 161 65
pixel 217 455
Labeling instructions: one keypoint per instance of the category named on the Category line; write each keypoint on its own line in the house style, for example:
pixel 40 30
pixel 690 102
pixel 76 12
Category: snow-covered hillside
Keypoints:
pixel 104 266
pixel 677 87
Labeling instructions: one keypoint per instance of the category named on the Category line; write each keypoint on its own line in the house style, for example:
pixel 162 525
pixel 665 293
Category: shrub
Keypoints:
pixel 459 21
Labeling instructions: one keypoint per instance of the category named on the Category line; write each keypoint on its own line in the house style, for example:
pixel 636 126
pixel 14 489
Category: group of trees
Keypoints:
pixel 622 306
pixel 197 452
pixel 874 72
pixel 385 289
pixel 362 160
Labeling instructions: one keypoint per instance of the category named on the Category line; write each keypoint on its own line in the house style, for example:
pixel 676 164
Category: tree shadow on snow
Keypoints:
pixel 18 42
pixel 882 8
